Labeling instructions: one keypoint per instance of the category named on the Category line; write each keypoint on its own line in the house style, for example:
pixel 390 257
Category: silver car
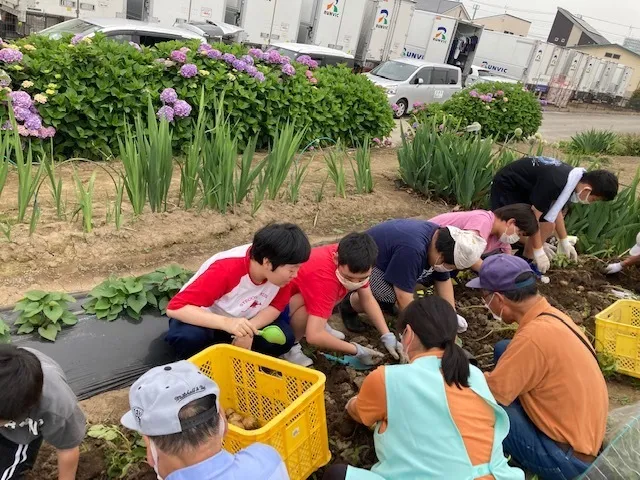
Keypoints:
pixel 408 82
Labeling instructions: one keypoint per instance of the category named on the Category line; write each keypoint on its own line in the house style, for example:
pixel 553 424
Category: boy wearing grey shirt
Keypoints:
pixel 36 404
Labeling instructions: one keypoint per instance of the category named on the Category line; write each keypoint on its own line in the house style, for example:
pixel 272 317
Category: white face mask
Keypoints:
pixel 439 267
pixel 348 284
pixel 510 239
pixel 495 316
pixel 154 455
pixel 575 197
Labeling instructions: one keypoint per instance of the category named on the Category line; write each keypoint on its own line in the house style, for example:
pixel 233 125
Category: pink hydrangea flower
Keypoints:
pixel 189 70
pixel 178 56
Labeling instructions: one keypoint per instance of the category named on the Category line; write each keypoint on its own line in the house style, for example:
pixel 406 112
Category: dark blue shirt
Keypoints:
pixel 402 251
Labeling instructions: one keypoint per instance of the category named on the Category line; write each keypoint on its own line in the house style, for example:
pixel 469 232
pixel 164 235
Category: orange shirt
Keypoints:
pixel 557 380
pixel 471 414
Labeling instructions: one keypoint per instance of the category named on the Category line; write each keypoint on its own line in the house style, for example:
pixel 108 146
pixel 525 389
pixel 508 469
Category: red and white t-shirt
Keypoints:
pixel 223 286
pixel 318 283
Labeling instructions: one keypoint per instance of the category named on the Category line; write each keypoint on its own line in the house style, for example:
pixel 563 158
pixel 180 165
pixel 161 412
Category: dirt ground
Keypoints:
pixel 59 256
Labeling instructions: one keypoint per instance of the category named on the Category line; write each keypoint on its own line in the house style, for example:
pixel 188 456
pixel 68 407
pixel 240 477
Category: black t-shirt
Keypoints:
pixel 539 180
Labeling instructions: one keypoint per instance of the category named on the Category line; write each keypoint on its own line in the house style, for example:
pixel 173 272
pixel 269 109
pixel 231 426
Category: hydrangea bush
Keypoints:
pixel 499 107
pixel 87 88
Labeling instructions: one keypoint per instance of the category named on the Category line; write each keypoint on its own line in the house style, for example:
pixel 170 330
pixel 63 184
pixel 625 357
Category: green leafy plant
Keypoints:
pixel 247 174
pixel 362 168
pixel 35 217
pixel 133 177
pixel 117 204
pixel 28 175
pixel 190 165
pixel 5 155
pixel 286 143
pixel 297 175
pixel 334 159
pixel 55 186
pixel 123 451
pixel 627 144
pixel 46 312
pixel 5 332
pixel 85 200
pixel 115 296
pixel 510 108
pixel 161 285
pixel 607 363
pixel 593 142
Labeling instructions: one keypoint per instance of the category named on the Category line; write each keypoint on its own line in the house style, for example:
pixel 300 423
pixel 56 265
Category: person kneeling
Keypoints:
pixel 434 417
pixel 176 409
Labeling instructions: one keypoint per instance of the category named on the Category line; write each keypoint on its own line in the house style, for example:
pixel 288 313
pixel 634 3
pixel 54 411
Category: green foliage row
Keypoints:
pixel 603 142
pixel 99 85
pixel 46 312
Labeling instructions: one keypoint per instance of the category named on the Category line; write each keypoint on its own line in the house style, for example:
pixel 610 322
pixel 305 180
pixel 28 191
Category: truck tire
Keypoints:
pixel 402 108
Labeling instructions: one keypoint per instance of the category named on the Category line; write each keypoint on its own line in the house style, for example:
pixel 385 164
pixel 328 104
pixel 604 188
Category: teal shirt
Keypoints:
pixel 421 440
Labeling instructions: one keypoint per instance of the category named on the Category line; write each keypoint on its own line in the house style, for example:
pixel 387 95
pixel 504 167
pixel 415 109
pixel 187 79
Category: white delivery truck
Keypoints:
pixel 332 23
pixel 170 12
pixel 63 9
pixel 623 89
pixel 504 54
pixel 546 60
pixel 266 21
pixel 566 77
pixel 384 31
pixel 441 39
pixel 589 78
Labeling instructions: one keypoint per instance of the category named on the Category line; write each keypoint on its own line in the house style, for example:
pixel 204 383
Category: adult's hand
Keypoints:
pixel 393 346
pixel 565 248
pixel 542 261
pixel 613 268
pixel 368 356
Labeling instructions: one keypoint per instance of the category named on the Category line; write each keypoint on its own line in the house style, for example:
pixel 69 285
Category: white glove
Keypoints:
pixel 541 259
pixel 366 355
pixel 549 250
pixel 462 324
pixel 393 346
pixel 613 268
pixel 565 248
pixel 572 239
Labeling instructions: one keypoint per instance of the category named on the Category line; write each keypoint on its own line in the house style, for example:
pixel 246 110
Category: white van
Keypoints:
pixel 484 75
pixel 408 81
pixel 323 55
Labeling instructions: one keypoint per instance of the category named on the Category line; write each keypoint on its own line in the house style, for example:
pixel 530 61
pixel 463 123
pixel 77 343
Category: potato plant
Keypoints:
pixel 162 284
pixel 46 312
pixel 115 296
pixel 124 451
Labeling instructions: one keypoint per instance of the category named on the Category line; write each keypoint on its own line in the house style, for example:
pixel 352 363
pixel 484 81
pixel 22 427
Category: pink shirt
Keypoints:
pixel 479 220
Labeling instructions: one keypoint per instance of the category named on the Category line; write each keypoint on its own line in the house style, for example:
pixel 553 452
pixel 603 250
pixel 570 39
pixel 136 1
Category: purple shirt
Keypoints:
pixel 479 220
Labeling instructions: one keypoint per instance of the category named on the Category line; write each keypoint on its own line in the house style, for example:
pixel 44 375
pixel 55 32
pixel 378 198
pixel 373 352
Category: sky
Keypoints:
pixel 611 18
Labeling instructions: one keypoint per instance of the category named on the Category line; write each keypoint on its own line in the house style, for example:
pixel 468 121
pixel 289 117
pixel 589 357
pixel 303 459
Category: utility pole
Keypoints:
pixel 475 10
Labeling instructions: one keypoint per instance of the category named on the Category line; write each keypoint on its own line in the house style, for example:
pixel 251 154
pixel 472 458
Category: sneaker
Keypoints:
pixel 350 316
pixel 333 332
pixel 296 356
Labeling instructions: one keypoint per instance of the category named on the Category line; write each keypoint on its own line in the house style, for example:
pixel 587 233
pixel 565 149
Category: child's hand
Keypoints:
pixel 243 342
pixel 240 327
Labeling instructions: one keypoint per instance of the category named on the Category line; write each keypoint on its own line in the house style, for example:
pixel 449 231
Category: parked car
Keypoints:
pixel 323 55
pixel 408 81
pixel 484 75
pixel 212 31
pixel 122 30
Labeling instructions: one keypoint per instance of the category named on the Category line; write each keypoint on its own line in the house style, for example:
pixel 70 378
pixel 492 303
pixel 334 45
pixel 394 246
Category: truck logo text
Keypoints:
pixel 441 35
pixel 383 20
pixel 409 54
pixel 495 68
pixel 332 9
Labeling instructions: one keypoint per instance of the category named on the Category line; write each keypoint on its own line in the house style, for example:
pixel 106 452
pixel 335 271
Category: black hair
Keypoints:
pixel 523 293
pixel 358 251
pixel 193 437
pixel 21 380
pixel 603 184
pixel 445 244
pixel 522 213
pixel 281 244
pixel 435 323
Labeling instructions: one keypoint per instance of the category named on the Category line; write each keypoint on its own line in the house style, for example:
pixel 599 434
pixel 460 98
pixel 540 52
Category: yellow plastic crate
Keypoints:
pixel 618 334
pixel 287 399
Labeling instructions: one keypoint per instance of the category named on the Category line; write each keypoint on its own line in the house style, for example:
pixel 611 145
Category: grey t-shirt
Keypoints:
pixel 57 418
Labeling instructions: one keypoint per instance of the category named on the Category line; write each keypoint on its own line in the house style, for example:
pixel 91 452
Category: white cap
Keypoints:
pixel 635 250
pixel 469 247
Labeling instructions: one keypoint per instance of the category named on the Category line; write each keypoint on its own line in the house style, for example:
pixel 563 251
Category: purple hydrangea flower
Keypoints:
pixel 251 70
pixel 229 57
pixel 178 56
pixel 308 74
pixel 169 96
pixel 47 132
pixel 10 55
pixel 34 122
pixel 284 60
pixel 247 59
pixel 308 61
pixel 214 54
pixel 21 113
pixel 273 56
pixel 21 99
pixel 239 65
pixel 76 39
pixel 165 112
pixel 181 108
pixel 189 70
pixel 288 70
pixel 473 93
pixel 136 46
pixel 256 52
pixel 259 77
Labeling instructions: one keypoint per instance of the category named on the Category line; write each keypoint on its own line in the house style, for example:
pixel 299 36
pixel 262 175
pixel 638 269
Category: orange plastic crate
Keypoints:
pixel 288 400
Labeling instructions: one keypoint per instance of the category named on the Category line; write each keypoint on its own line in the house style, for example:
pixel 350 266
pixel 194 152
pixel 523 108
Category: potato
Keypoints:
pixel 228 412
pixel 235 418
pixel 250 423
pixel 234 421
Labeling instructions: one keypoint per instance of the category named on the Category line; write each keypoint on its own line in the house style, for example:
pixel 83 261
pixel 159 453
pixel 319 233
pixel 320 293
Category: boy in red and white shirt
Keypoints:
pixel 331 272
pixel 239 291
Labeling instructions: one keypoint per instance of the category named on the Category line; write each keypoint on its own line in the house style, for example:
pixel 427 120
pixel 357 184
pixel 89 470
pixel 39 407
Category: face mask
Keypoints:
pixel 349 285
pixel 495 316
pixel 575 197
pixel 154 455
pixel 439 267
pixel 510 239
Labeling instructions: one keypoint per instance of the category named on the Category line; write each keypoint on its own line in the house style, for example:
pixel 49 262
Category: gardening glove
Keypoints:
pixel 462 324
pixel 613 268
pixel 541 259
pixel 393 346
pixel 565 248
pixel 366 355
pixel 549 250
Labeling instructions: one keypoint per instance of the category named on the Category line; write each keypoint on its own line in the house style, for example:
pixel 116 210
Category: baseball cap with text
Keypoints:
pixel 157 397
pixel 498 273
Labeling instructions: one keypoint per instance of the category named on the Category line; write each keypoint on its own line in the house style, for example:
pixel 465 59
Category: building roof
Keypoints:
pixel 438 6
pixel 608 44
pixel 502 15
pixel 585 27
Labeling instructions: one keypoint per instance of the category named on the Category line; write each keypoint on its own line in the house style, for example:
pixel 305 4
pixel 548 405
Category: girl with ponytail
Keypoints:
pixel 434 417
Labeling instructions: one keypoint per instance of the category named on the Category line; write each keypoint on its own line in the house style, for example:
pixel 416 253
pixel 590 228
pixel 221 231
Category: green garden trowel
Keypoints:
pixel 273 334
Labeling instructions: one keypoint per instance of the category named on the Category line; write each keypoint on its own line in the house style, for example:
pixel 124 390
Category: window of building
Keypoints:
pixel 615 56
pixel 608 55
pixel 509 33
